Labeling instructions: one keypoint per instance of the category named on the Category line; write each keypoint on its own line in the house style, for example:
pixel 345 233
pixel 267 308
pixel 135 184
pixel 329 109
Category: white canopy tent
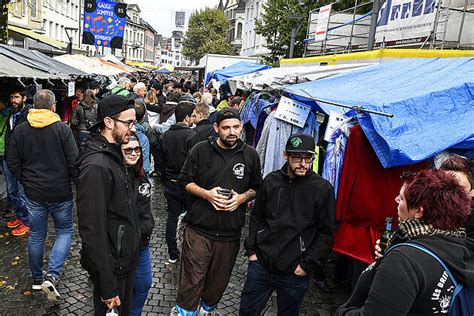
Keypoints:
pixel 91 65
pixel 277 78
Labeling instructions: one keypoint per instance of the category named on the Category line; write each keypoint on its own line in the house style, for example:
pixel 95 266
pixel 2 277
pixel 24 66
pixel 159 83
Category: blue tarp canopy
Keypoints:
pixel 238 69
pixel 432 101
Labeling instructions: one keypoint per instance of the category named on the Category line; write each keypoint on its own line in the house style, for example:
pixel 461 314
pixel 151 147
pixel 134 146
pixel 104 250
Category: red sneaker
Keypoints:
pixel 22 230
pixel 14 224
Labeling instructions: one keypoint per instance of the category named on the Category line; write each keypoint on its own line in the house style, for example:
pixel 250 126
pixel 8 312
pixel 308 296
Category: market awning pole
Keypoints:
pixel 352 107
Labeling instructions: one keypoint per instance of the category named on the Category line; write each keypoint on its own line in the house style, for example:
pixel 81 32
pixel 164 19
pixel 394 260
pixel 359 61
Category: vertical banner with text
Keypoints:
pixel 323 23
pixel 104 23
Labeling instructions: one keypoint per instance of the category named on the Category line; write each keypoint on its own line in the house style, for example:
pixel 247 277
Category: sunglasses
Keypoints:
pixel 128 151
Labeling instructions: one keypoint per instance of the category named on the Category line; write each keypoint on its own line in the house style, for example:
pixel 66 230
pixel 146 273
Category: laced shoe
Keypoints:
pixel 14 223
pixel 22 230
pixel 49 288
pixel 36 286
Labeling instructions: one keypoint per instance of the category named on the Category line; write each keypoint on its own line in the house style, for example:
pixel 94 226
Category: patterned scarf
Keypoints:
pixel 414 228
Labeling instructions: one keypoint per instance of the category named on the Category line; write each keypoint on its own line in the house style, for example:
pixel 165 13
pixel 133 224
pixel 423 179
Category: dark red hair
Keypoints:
pixel 445 203
pixel 459 164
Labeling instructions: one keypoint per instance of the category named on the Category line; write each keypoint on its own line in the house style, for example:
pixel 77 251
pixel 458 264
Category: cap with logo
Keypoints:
pixel 227 113
pixel 300 143
pixel 110 106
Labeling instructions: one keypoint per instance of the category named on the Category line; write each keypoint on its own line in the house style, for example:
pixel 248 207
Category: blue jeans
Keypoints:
pixel 260 284
pixel 16 195
pixel 62 217
pixel 142 282
pixel 178 202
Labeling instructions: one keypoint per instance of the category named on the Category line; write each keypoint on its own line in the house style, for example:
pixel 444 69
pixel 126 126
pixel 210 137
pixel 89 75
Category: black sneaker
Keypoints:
pixel 49 288
pixel 36 286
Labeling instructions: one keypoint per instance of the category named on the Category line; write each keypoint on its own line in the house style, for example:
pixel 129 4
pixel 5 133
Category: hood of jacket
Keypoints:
pixel 456 253
pixel 40 118
pixel 96 143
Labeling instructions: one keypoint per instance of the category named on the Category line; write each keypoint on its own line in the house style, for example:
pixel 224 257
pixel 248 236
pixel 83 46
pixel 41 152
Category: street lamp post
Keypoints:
pixel 373 23
pixel 69 45
pixel 294 32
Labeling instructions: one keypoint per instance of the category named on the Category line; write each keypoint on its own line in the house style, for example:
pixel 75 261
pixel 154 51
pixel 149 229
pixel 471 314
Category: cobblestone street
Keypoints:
pixel 16 297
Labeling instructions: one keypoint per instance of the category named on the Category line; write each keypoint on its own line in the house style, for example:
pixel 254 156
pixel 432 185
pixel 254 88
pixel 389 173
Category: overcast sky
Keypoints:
pixel 160 13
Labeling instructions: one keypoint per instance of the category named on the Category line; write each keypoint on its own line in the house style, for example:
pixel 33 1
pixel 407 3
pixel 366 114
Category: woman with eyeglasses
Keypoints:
pixel 432 209
pixel 133 158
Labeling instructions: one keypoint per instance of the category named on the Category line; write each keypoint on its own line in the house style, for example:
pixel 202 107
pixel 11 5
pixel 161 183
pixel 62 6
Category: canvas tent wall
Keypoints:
pixel 238 69
pixel 90 65
pixel 431 99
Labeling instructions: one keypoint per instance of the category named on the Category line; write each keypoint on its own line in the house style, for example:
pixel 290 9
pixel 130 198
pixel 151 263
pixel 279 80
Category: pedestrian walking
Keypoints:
pixel 108 220
pixel 132 154
pixel 173 149
pixel 16 194
pixel 290 232
pixel 42 156
pixel 85 115
pixel 222 175
pixel 204 128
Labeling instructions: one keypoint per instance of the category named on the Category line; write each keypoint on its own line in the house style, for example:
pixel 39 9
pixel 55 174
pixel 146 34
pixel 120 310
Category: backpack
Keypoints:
pixel 462 299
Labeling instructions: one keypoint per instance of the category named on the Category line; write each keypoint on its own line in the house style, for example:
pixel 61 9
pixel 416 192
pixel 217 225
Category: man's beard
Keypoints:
pixel 119 139
pixel 229 143
pixel 16 107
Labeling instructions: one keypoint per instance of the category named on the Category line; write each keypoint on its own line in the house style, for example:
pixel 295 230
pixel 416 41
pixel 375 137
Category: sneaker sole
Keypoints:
pixel 13 226
pixel 20 234
pixel 36 287
pixel 51 292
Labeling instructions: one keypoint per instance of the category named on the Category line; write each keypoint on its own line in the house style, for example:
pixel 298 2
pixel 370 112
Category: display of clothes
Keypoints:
pixel 273 139
pixel 253 106
pixel 335 150
pixel 366 196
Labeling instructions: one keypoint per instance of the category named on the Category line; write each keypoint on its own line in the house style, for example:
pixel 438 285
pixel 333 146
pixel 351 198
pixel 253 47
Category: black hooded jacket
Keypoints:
pixel 208 168
pixel 292 222
pixel 108 221
pixel 142 189
pixel 408 281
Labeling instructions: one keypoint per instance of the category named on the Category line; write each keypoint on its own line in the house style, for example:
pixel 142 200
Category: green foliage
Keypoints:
pixel 280 17
pixel 207 34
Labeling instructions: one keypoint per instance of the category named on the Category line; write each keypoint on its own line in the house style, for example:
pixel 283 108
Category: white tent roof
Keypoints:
pixel 91 65
pixel 277 78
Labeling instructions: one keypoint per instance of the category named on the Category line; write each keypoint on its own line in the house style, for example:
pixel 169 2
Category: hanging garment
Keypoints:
pixel 335 153
pixel 366 197
pixel 272 143
pixel 252 109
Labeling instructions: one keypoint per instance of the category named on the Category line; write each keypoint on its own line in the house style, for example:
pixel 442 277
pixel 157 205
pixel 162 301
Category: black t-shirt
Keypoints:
pixel 227 153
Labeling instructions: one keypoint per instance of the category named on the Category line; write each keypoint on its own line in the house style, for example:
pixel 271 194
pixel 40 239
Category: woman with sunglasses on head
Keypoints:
pixel 432 209
pixel 133 158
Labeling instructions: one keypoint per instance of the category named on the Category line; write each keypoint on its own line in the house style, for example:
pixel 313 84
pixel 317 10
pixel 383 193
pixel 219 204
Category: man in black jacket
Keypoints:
pixel 16 194
pixel 222 175
pixel 290 232
pixel 173 148
pixel 204 127
pixel 41 155
pixel 108 221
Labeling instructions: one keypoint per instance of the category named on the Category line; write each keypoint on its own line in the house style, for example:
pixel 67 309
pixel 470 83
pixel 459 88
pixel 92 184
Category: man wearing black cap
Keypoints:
pixel 290 231
pixel 222 175
pixel 105 206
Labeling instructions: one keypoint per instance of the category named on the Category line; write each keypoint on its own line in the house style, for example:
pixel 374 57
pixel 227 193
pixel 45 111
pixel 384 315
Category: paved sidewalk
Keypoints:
pixel 16 297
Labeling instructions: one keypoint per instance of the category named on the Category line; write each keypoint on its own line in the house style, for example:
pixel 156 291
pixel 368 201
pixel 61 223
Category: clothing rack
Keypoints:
pixel 359 109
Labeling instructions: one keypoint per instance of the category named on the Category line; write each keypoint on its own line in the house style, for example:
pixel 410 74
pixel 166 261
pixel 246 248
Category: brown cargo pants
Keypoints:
pixel 206 267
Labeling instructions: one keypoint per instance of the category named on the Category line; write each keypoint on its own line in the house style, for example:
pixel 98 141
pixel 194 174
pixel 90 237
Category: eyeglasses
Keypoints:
pixel 128 151
pixel 126 123
pixel 299 159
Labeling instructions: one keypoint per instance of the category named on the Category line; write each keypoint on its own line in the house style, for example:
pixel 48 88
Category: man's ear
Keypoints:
pixel 285 155
pixel 109 122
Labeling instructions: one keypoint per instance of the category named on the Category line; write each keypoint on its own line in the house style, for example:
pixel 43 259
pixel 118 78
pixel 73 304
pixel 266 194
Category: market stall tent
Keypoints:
pixel 237 69
pixel 432 101
pixel 277 78
pixel 90 65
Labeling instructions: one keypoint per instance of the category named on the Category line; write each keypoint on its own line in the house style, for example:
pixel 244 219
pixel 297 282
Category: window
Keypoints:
pixel 34 8
pixel 239 30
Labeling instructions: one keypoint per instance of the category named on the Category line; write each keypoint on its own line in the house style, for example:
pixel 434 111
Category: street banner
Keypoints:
pixel 180 19
pixel 323 23
pixel 292 112
pixel 402 22
pixel 104 23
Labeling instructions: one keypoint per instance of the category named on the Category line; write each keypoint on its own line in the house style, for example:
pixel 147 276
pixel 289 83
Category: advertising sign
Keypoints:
pixel 292 112
pixel 405 22
pixel 323 23
pixel 180 19
pixel 104 23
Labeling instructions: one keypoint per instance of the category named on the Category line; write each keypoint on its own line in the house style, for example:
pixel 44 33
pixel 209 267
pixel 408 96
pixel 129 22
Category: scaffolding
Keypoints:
pixel 452 27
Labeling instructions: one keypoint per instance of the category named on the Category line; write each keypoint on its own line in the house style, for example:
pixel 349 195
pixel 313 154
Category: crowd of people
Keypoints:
pixel 108 145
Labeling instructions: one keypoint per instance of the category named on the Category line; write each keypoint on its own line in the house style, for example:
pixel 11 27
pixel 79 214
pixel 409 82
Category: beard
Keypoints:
pixel 229 142
pixel 120 138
